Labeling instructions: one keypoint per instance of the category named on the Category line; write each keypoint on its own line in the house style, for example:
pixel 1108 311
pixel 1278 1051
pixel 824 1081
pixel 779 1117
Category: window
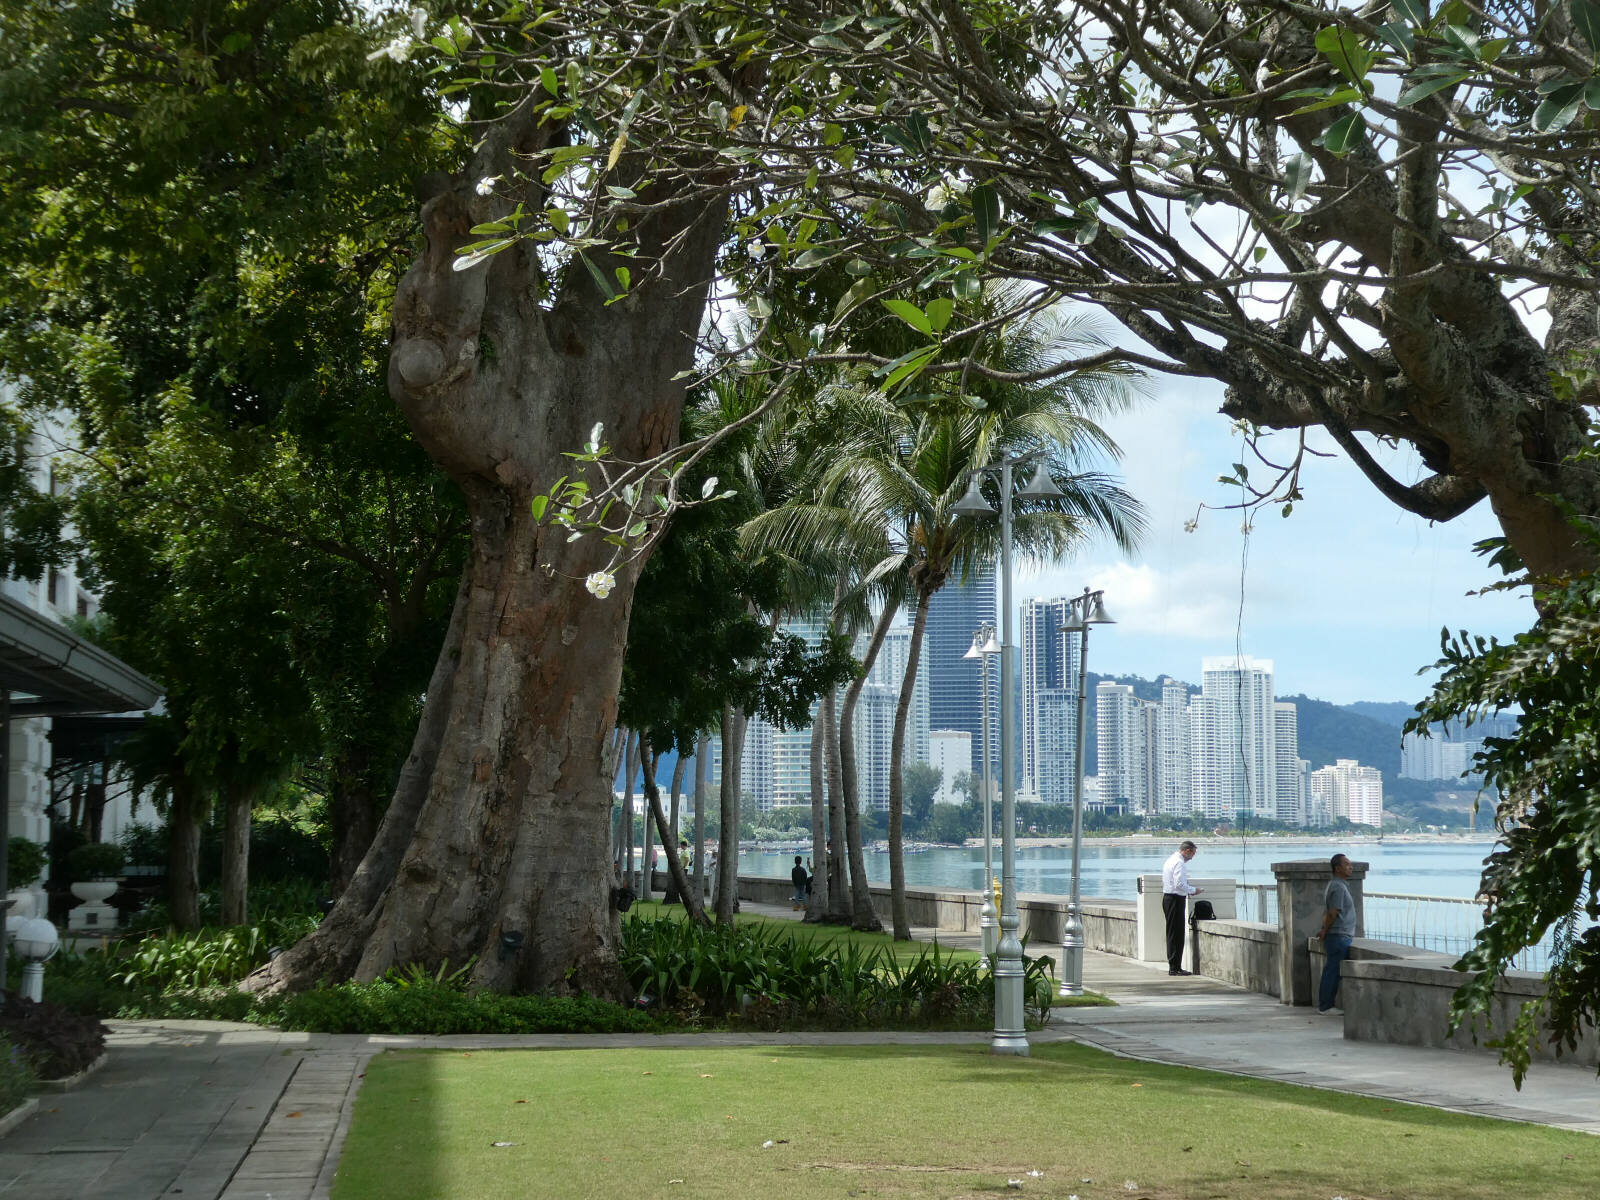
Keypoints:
pixel 54 587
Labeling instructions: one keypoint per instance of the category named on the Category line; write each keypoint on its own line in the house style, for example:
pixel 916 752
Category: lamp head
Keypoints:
pixel 1098 615
pixel 973 504
pixel 992 644
pixel 1041 486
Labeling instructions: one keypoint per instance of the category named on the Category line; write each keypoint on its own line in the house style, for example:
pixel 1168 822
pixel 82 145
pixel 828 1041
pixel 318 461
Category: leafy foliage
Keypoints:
pixel 768 977
pixel 56 1043
pixel 1543 876
pixel 25 861
pixel 16 1076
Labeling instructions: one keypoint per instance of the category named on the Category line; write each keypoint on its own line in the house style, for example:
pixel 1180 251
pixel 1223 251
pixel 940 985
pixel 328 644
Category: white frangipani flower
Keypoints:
pixel 835 81
pixel 600 583
pixel 399 49
pixel 939 195
pixel 486 185
pixel 756 249
pixel 708 487
pixel 419 22
pixel 596 433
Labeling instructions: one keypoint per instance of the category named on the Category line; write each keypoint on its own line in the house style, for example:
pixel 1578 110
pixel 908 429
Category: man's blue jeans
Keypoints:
pixel 1338 949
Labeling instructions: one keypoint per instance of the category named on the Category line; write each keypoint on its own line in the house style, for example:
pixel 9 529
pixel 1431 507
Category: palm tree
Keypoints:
pixel 896 479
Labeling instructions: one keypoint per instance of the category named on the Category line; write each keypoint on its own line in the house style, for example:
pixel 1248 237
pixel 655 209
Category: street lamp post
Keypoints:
pixel 1010 1034
pixel 983 645
pixel 1087 610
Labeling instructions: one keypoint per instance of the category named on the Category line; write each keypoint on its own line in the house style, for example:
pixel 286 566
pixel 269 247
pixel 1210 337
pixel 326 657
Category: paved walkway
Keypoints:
pixel 214 1111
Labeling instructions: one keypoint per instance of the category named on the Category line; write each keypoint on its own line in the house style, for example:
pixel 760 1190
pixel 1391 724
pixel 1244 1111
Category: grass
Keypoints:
pixel 912 1123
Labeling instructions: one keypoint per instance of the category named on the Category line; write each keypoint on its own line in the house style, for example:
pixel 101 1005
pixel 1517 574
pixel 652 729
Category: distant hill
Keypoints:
pixel 1390 712
pixel 1332 731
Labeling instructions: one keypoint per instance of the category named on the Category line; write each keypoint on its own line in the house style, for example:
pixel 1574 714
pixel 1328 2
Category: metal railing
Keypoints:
pixel 1443 923
pixel 1256 902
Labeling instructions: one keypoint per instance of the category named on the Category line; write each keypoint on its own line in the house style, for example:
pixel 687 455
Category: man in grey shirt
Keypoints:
pixel 1338 930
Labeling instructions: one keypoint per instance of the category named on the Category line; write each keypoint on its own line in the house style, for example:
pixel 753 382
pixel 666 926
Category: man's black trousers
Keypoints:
pixel 1172 907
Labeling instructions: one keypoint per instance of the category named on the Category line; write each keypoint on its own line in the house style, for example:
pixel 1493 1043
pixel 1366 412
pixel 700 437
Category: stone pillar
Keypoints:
pixel 1301 888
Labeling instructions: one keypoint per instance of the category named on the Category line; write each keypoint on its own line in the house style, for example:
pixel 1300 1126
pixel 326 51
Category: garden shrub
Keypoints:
pixel 24 862
pixel 95 860
pixel 16 1076
pixel 56 1043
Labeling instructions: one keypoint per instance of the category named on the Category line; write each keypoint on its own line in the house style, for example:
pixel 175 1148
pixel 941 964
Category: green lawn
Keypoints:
pixel 912 1123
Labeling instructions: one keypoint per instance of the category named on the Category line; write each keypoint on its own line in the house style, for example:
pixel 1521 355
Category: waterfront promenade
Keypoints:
pixel 219 1111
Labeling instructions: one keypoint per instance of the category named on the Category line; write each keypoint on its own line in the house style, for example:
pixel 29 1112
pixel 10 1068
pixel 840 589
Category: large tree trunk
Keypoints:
pixel 333 951
pixel 499 385
pixel 680 881
pixel 817 898
pixel 897 754
pixel 352 814
pixel 726 888
pixel 237 802
pixel 185 815
pixel 840 896
pixel 866 916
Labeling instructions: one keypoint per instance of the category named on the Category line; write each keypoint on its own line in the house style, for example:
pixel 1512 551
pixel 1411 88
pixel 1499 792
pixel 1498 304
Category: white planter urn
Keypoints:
pixel 94 891
pixel 94 915
pixel 23 904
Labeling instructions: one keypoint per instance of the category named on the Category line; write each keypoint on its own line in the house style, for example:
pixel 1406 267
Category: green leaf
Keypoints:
pixel 1427 87
pixel 1260 253
pixel 538 505
pixel 1297 176
pixel 558 219
pixel 910 314
pixel 857 267
pixel 909 368
pixel 1398 37
pixel 624 278
pixel 1591 95
pixel 967 286
pixel 574 78
pixel 637 528
pixel 547 77
pixel 1342 96
pixel 1586 20
pixel 1343 48
pixel 1345 134
pixel 986 211
pixel 813 257
pixel 939 313
pixel 832 134
pixel 1414 11
pixel 600 281
pixel 1558 108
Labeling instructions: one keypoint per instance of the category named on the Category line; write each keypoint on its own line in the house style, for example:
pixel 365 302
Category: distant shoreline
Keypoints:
pixel 1298 839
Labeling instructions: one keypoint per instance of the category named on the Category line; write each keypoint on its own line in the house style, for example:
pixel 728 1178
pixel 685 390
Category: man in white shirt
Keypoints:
pixel 1175 892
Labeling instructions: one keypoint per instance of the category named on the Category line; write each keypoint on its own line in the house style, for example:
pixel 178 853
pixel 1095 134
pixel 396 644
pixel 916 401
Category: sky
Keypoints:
pixel 1346 596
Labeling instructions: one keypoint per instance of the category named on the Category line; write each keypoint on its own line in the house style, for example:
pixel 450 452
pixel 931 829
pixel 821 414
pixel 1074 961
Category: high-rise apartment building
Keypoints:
pixel 1049 662
pixel 1172 795
pixel 954 700
pixel 1349 790
pixel 1121 741
pixel 950 753
pixel 1055 714
pixel 874 734
pixel 1290 800
pixel 889 670
pixel 1233 738
pixel 1448 753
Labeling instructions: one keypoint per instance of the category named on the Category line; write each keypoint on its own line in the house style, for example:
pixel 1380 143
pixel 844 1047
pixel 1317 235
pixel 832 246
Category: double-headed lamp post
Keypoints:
pixel 1087 609
pixel 984 645
pixel 1010 1035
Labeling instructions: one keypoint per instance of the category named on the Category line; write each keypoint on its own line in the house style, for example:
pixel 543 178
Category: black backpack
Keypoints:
pixel 1203 911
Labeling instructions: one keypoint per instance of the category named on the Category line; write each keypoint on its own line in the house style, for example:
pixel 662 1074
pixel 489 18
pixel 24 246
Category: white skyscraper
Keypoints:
pixel 950 751
pixel 889 670
pixel 1121 734
pixel 1056 731
pixel 874 730
pixel 1172 749
pixel 1291 804
pixel 1233 738
pixel 1349 790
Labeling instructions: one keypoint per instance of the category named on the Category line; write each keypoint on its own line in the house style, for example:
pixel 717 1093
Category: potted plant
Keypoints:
pixel 94 869
pixel 24 863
